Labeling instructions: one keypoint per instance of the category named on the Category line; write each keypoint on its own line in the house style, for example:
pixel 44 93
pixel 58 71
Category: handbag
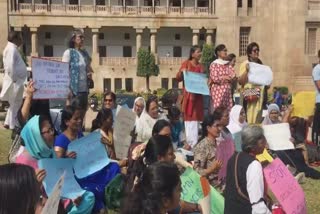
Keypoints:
pixel 251 94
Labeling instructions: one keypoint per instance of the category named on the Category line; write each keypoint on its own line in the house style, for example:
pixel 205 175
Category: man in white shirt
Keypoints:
pixel 316 120
pixel 14 78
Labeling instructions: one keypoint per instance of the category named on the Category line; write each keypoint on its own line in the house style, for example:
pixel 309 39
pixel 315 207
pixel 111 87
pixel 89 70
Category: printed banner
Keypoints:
pixel 91 154
pixel 196 82
pixel 285 188
pixel 51 79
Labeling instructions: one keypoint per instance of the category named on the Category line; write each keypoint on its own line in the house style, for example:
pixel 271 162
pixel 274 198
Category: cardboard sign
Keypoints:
pixel 278 136
pixel 91 154
pixel 124 124
pixel 55 168
pixel 192 191
pixel 259 74
pixel 196 82
pixel 303 103
pixel 51 79
pixel 285 188
pixel 52 204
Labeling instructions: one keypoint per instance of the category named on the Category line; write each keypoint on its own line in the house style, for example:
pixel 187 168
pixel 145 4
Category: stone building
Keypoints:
pixel 288 32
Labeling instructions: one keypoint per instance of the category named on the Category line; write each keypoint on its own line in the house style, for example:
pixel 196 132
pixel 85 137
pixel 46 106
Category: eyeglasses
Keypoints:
pixel 49 131
pixel 108 100
pixel 256 50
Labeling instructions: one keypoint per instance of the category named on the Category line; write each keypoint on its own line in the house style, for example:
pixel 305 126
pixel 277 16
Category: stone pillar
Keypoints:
pixel 209 37
pixel 195 36
pixel 139 32
pixel 34 41
pixel 95 49
pixel 153 44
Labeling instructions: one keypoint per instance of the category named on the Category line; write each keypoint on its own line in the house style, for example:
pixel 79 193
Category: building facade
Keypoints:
pixel 288 32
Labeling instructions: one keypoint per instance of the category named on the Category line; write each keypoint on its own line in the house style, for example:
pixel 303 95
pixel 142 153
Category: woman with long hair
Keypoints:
pixel 192 104
pixel 222 76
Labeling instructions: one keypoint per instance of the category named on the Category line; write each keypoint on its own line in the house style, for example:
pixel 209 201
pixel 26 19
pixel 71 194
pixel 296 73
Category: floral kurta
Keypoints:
pixel 220 90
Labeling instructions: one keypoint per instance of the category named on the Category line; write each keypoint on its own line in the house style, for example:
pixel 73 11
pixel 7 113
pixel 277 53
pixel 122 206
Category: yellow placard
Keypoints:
pixel 303 103
pixel 265 156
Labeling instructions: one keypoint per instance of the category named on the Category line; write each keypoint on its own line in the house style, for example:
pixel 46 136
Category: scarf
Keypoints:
pixel 33 140
pixel 267 120
pixel 74 68
pixel 234 124
pixel 220 61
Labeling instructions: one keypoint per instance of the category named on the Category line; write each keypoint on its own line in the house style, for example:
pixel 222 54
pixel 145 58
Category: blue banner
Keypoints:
pixel 196 83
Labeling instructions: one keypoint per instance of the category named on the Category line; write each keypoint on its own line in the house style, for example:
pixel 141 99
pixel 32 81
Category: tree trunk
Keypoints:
pixel 147 83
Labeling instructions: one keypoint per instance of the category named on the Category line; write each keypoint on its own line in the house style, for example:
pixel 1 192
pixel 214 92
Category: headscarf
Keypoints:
pixel 34 143
pixel 136 100
pixel 234 124
pixel 271 107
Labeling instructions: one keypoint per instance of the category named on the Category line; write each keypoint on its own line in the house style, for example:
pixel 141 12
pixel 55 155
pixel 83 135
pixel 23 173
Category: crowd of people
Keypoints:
pixel 151 172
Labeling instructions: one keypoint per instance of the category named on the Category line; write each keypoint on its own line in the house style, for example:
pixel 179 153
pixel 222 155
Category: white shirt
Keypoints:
pixel 316 77
pixel 15 71
pixel 255 188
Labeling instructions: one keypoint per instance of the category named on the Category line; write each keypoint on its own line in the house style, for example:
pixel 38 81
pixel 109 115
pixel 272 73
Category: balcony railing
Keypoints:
pixel 111 10
pixel 118 61
pixel 171 60
pixel 314 4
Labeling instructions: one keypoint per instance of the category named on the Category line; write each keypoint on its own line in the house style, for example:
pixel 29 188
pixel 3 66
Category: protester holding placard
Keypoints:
pixel 205 159
pixel 20 190
pixel 147 120
pixel 254 96
pixel 38 137
pixel 274 114
pixel 245 192
pixel 80 68
pixel 14 77
pixel 222 76
pixel 157 191
pixel 192 104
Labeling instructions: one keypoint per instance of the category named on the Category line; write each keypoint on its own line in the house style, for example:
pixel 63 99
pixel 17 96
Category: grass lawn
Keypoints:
pixel 311 187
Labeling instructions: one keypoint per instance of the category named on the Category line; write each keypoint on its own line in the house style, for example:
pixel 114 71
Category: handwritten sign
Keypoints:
pixel 124 124
pixel 192 191
pixel 259 74
pixel 196 82
pixel 51 79
pixel 278 136
pixel 91 154
pixel 52 204
pixel 303 103
pixel 55 168
pixel 285 188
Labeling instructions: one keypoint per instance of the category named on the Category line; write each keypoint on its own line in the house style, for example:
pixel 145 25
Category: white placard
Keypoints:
pixel 278 136
pixel 123 125
pixel 259 74
pixel 51 79
pixel 52 204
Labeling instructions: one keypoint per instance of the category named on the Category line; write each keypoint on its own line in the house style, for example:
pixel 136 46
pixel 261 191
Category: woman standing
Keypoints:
pixel 222 76
pixel 192 104
pixel 253 107
pixel 205 161
pixel 245 183
pixel 80 68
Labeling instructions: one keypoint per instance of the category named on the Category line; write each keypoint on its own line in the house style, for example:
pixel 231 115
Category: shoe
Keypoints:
pixel 6 126
pixel 300 177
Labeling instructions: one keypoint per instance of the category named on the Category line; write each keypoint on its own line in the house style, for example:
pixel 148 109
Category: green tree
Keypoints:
pixel 207 56
pixel 146 66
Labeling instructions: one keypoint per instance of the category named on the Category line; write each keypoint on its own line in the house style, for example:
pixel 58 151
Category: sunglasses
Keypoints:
pixel 49 131
pixel 108 100
pixel 256 50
